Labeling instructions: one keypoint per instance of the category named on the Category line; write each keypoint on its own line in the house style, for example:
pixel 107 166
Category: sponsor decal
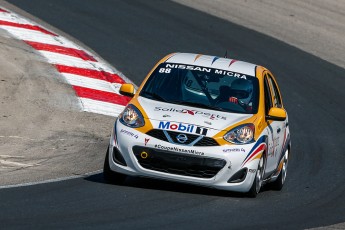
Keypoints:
pixel 191 112
pixel 177 149
pixel 129 133
pixel 182 127
pixel 208 122
pixel 146 140
pixel 234 150
pixel 257 149
pixel 170 66
pixel 166 115
pixel 272 148
pixel 230 73
pixel 188 67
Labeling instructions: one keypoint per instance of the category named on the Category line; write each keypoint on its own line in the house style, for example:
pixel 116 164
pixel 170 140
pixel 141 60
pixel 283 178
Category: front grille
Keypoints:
pixel 157 133
pixel 207 141
pixel 176 163
pixel 191 137
pixel 204 141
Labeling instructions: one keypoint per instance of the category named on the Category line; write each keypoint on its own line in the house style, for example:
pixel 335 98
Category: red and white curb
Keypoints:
pixel 95 83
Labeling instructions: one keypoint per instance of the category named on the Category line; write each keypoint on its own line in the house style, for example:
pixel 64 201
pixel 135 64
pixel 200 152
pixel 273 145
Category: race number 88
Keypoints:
pixel 164 70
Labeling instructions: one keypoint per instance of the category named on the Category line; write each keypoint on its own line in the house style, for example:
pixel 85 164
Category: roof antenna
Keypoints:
pixel 226 54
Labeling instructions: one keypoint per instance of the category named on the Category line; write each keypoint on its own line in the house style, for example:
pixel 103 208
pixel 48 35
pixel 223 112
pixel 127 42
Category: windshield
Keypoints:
pixel 203 87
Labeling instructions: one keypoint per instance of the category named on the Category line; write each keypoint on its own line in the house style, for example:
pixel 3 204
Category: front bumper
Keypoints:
pixel 144 155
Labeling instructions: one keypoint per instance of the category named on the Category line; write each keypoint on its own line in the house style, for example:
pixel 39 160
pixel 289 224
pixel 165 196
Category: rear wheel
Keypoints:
pixel 111 176
pixel 259 178
pixel 279 183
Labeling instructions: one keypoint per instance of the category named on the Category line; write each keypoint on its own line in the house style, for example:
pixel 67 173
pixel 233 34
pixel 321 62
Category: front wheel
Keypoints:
pixel 259 178
pixel 111 176
pixel 279 183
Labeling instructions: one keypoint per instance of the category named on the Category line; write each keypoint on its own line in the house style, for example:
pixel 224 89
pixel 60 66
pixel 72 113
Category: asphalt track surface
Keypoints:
pixel 132 36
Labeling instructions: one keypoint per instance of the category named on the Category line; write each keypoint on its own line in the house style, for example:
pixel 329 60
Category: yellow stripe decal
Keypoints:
pixel 197 56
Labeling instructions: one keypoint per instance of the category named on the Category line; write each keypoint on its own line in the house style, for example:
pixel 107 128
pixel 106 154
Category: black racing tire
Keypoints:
pixel 280 181
pixel 111 176
pixel 258 181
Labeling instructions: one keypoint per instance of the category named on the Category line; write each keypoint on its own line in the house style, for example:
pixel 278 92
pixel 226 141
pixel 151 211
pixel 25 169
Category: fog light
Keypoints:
pixel 118 158
pixel 144 155
pixel 239 176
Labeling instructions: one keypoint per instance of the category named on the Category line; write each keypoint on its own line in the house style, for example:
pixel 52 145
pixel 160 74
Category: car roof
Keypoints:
pixel 213 62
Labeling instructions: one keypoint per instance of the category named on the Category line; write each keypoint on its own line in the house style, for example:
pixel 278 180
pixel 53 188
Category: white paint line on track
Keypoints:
pixel 101 107
pixel 116 87
pixel 9 156
pixel 15 164
pixel 62 59
pixel 12 17
pixel 87 82
pixel 51 180
pixel 30 139
pixel 18 137
pixel 37 36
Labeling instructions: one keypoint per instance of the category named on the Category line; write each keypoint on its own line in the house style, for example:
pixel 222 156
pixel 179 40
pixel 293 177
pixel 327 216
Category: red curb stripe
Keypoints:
pixel 101 95
pixel 26 26
pixel 101 75
pixel 62 50
pixel 86 92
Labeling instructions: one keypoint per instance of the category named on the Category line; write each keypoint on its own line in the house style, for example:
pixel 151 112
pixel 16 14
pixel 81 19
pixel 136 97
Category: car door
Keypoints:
pixel 276 128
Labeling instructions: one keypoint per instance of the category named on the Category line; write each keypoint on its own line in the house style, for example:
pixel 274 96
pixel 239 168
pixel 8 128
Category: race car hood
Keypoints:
pixel 188 119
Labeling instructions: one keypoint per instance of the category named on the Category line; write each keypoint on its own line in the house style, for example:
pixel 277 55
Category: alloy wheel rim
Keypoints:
pixel 285 164
pixel 259 175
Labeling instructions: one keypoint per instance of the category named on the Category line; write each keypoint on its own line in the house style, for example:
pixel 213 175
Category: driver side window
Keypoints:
pixel 268 99
pixel 276 100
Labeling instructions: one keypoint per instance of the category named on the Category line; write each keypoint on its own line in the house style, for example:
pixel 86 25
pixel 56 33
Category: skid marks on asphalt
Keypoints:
pixel 14 162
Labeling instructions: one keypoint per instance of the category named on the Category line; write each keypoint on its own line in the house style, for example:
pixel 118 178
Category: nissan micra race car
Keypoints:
pixel 203 120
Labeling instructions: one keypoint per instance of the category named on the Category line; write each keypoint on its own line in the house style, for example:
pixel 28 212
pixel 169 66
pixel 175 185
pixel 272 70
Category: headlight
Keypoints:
pixel 242 134
pixel 132 117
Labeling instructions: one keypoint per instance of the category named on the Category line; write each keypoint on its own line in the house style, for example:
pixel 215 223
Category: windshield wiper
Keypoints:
pixel 152 96
pixel 196 104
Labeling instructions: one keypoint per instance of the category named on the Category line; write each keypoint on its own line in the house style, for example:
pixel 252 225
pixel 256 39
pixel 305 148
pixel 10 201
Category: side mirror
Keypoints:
pixel 127 89
pixel 276 114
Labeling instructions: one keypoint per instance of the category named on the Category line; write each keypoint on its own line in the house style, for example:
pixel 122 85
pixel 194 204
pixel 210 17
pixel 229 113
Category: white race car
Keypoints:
pixel 203 120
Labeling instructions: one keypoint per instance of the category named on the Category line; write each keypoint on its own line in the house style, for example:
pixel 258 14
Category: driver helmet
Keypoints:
pixel 242 90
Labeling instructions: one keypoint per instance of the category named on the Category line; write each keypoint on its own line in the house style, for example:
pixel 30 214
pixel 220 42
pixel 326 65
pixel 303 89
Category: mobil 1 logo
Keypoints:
pixel 167 125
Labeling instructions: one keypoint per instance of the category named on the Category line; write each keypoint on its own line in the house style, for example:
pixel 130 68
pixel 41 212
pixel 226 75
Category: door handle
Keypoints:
pixel 278 130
